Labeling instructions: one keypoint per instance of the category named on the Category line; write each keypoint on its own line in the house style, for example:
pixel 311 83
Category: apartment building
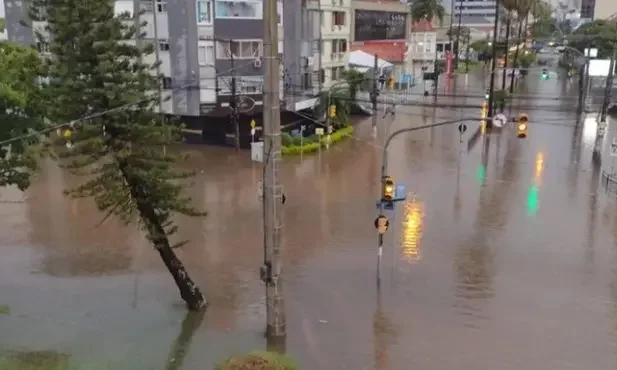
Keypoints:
pixel 200 44
pixel 335 31
pixel 382 27
pixel 604 9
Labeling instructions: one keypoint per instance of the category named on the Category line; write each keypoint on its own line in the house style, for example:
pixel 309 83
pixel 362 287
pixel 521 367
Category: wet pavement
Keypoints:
pixel 503 257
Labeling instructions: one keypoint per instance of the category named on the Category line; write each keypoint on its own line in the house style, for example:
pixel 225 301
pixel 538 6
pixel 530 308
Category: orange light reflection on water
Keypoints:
pixel 412 230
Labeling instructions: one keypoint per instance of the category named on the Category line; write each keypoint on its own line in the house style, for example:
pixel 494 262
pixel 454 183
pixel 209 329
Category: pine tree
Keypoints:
pixel 95 66
pixel 21 112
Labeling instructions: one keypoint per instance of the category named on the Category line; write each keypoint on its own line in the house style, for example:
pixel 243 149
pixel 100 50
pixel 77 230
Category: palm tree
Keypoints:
pixel 426 10
pixel 354 79
pixel 522 11
pixel 510 7
pixel 340 97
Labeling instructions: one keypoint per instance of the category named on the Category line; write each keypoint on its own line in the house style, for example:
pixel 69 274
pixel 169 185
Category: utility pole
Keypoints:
pixel 272 192
pixel 608 87
pixel 233 102
pixel 581 91
pixel 489 124
pixel 458 37
pixel 374 90
pixel 504 75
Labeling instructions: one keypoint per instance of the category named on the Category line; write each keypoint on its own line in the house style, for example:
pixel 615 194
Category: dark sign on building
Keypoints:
pixel 372 25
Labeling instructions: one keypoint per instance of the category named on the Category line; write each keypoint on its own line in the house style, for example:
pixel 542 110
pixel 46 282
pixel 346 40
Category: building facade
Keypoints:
pixel 381 27
pixel 201 45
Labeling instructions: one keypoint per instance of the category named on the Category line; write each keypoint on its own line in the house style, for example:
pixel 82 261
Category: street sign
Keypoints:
pixel 252 132
pixel 462 128
pixel 401 191
pixel 500 120
pixel 319 131
pixel 253 124
pixel 614 148
pixel 257 151
pixel 382 224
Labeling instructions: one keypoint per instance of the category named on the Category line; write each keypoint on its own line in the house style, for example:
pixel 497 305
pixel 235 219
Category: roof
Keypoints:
pixel 393 52
pixel 422 26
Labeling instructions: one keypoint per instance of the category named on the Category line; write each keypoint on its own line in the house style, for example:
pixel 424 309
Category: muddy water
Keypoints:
pixel 502 257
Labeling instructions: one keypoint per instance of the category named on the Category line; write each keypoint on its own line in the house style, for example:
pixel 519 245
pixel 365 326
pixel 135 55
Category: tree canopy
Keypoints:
pixel 427 10
pixel 97 69
pixel 598 34
pixel 21 111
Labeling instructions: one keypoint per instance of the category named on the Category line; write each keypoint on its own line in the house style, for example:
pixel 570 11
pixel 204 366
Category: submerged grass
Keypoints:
pixel 259 361
pixel 5 310
pixel 38 360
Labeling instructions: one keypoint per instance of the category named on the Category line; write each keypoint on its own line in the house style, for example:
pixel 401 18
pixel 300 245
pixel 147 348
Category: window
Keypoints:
pixel 279 13
pixel 239 9
pixel 338 18
pixel 163 45
pixel 322 75
pixel 244 85
pixel 204 12
pixel 166 82
pixel 42 47
pixel 206 53
pixel 161 6
pixel 245 49
pixel 339 46
pixel 147 7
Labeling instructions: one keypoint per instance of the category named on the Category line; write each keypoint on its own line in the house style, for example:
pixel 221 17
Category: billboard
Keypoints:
pixel 373 25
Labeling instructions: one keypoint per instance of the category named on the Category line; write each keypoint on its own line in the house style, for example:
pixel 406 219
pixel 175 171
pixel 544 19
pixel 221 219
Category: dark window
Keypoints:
pixel 166 82
pixel 378 25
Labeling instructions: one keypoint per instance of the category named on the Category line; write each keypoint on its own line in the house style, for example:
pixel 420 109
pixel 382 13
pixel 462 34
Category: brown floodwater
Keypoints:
pixel 503 257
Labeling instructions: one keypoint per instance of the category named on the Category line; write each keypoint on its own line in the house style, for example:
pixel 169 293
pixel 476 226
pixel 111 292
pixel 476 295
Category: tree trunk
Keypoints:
pixel 518 37
pixel 189 291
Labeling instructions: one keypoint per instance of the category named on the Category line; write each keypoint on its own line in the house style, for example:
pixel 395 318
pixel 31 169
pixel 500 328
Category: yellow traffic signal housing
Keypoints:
pixel 388 188
pixel 522 125
pixel 332 111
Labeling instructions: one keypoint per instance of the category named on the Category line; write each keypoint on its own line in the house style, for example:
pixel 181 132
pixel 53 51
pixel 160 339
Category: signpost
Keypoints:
pixel 253 124
pixel 500 120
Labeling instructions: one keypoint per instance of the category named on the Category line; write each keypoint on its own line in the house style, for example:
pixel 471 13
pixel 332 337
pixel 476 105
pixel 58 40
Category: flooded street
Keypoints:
pixel 504 256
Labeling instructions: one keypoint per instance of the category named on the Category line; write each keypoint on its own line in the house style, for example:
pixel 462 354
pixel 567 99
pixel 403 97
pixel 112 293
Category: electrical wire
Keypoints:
pixel 105 112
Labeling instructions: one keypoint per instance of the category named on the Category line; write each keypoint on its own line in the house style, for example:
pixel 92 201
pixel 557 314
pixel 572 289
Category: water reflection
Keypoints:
pixel 412 229
pixel 384 336
pixel 70 230
pixel 191 323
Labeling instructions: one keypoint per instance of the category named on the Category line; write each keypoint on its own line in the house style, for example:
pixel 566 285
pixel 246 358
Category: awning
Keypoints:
pixel 362 59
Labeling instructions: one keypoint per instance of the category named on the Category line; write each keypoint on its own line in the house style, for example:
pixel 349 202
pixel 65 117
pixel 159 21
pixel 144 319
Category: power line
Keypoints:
pixel 105 112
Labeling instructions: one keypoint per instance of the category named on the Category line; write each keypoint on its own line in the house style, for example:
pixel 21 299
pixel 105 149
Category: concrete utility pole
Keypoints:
pixel 608 87
pixel 491 100
pixel 272 194
pixel 374 90
pixel 233 102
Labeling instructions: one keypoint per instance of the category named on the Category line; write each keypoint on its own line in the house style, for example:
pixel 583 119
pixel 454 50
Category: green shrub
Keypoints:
pixel 286 139
pixel 313 146
pixel 259 361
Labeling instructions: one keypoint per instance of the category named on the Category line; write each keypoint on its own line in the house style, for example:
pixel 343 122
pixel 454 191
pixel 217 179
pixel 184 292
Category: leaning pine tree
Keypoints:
pixel 94 70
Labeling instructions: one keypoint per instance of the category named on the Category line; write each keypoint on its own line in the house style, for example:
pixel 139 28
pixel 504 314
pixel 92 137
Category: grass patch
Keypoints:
pixel 259 361
pixel 312 144
pixel 461 68
pixel 5 310
pixel 39 360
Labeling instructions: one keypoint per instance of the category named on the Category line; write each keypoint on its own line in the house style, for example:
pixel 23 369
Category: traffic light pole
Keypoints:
pixel 493 64
pixel 384 171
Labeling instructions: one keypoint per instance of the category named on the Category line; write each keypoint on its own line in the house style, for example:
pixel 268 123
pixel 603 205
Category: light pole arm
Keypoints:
pixel 384 154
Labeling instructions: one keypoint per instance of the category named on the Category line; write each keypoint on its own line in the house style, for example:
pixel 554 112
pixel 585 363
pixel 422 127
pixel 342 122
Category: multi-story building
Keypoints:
pixel 382 27
pixel 604 9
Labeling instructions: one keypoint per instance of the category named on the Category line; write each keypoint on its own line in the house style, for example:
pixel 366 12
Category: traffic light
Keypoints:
pixel 483 114
pixel 545 74
pixel 332 111
pixel 522 124
pixel 388 189
pixel 67 135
